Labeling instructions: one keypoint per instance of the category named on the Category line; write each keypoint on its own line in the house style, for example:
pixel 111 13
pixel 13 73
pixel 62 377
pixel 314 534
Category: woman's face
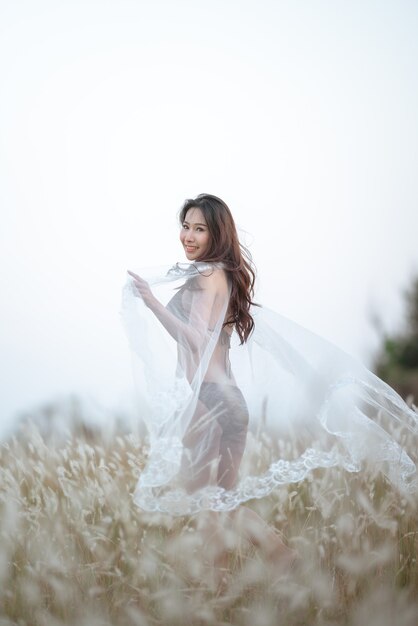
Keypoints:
pixel 194 234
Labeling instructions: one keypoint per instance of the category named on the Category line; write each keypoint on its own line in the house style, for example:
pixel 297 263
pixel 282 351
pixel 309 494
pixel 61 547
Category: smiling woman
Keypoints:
pixel 220 377
pixel 194 234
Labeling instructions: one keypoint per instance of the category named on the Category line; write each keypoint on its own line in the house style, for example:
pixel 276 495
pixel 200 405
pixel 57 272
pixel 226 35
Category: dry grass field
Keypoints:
pixel 75 550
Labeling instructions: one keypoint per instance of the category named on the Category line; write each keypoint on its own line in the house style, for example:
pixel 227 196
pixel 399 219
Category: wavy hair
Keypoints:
pixel 226 248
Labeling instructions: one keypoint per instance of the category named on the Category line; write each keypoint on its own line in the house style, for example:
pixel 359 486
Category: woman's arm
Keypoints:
pixel 192 335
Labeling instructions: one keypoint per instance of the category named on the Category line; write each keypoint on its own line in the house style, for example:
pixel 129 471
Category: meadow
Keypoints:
pixel 76 550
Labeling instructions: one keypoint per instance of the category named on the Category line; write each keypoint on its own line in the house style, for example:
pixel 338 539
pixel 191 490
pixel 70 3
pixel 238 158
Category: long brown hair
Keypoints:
pixel 225 247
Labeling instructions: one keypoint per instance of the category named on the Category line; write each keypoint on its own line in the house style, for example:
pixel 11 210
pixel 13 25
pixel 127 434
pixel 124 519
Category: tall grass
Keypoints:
pixel 76 550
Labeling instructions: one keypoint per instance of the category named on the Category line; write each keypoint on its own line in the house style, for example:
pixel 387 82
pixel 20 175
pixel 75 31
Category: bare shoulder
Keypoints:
pixel 213 278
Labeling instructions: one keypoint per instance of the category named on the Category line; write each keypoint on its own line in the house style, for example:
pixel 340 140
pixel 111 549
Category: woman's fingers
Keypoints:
pixel 134 275
pixel 139 282
pixel 142 287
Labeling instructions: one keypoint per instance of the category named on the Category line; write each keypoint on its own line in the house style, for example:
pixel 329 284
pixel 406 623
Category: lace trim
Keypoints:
pixel 354 449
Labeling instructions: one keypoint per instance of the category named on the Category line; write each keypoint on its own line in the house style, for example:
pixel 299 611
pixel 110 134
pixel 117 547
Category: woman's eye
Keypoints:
pixel 198 228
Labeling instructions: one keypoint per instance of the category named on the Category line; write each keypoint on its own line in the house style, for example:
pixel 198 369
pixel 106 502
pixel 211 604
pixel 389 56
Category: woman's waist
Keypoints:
pixel 218 377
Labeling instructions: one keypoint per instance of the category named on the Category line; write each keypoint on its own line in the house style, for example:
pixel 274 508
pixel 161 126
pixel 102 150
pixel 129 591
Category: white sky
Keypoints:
pixel 301 115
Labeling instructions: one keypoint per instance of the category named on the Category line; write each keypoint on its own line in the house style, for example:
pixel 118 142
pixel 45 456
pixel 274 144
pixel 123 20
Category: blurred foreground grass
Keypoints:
pixel 76 550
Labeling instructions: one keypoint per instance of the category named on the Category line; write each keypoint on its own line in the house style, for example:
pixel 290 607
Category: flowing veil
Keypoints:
pixel 309 404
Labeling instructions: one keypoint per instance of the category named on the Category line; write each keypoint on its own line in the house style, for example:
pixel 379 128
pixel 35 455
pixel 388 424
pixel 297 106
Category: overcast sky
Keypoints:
pixel 301 115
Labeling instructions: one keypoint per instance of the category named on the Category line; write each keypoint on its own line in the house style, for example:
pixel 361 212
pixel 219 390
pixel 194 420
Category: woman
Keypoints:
pixel 237 399
pixel 214 438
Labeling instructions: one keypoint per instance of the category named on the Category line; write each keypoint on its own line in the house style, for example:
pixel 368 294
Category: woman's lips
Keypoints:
pixel 190 248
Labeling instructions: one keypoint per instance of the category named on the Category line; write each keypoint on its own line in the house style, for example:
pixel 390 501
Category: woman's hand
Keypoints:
pixel 143 289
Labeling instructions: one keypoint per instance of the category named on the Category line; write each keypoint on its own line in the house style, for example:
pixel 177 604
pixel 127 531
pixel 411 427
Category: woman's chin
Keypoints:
pixel 191 256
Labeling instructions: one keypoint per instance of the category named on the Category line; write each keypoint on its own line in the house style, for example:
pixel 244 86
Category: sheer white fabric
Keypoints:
pixel 213 407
